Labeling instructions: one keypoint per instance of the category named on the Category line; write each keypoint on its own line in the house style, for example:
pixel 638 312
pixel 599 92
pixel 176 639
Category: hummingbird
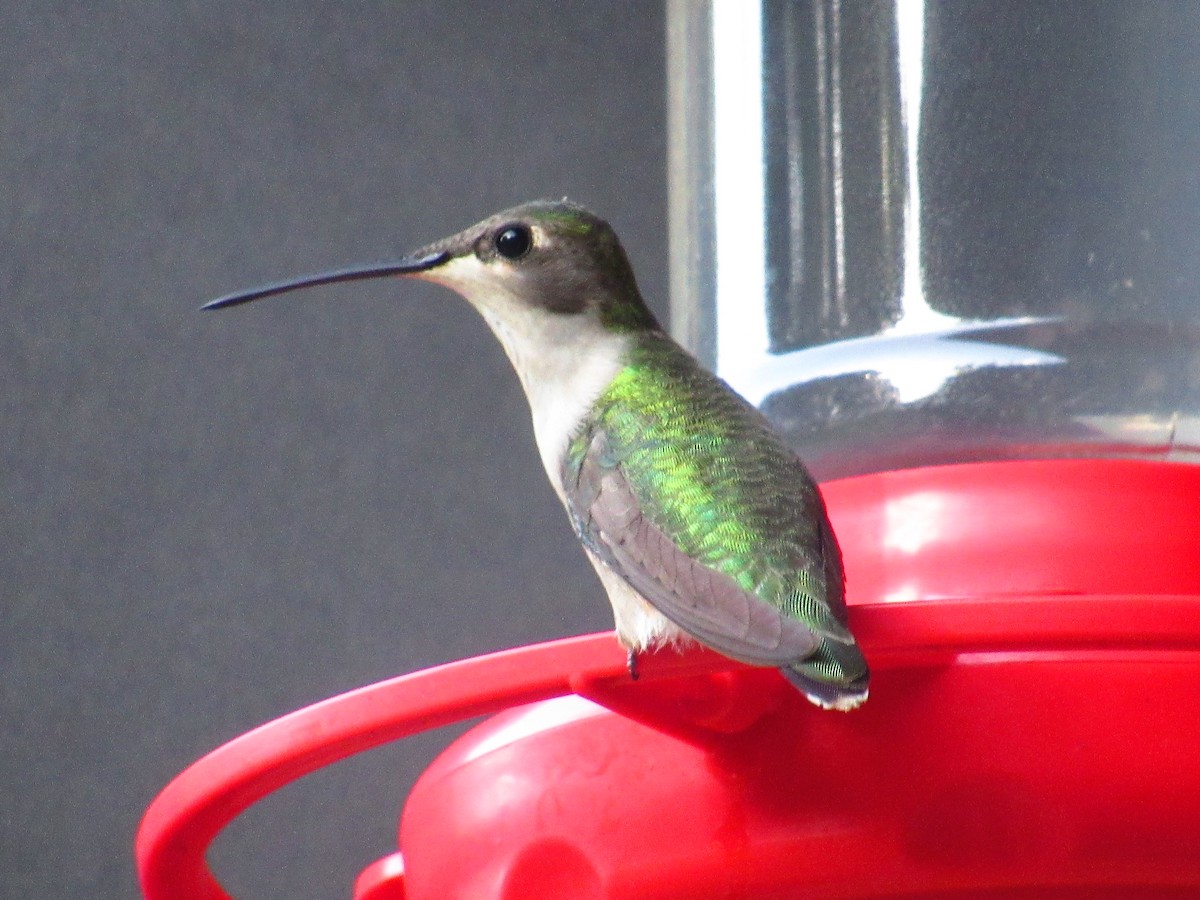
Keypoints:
pixel 701 522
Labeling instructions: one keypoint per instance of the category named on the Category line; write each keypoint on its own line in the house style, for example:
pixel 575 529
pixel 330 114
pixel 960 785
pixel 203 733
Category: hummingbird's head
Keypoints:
pixel 545 259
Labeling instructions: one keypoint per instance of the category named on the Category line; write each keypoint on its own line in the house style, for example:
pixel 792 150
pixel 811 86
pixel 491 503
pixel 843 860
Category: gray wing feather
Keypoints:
pixel 706 603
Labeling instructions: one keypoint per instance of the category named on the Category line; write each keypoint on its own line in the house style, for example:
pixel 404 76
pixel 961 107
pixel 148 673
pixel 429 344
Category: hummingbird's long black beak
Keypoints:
pixel 404 266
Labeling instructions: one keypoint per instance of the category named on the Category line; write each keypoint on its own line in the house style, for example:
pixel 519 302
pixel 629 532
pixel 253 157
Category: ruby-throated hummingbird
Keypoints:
pixel 699 519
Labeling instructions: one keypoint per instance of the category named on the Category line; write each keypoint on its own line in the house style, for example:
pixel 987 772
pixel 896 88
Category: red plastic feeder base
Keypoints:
pixel 1034 634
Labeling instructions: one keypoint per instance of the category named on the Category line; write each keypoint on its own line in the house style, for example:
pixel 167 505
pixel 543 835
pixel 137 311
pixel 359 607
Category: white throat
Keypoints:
pixel 564 361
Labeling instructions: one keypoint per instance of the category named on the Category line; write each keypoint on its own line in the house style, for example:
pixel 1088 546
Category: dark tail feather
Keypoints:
pixel 836 677
pixel 844 697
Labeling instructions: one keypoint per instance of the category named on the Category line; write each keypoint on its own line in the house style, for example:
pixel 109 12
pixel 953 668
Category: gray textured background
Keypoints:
pixel 210 520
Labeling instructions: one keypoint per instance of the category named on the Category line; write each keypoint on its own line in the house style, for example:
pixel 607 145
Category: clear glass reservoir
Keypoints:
pixel 930 231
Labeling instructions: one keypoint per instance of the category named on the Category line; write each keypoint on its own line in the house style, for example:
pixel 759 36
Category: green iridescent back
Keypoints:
pixel 707 469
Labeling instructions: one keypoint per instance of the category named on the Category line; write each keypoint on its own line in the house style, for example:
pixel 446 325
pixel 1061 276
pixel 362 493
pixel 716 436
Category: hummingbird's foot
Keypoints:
pixel 631 662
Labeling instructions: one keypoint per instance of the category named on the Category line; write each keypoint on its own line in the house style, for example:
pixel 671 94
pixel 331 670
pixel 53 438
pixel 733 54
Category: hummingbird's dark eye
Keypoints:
pixel 514 241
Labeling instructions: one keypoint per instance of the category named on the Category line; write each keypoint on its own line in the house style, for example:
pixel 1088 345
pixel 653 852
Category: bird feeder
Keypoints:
pixel 950 250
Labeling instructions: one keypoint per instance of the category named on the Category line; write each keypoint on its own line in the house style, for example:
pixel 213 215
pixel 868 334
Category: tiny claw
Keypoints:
pixel 631 661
